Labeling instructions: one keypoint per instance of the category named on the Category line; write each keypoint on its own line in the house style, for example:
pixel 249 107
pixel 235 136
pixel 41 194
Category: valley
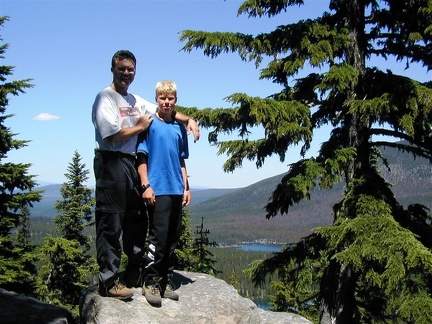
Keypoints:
pixel 234 216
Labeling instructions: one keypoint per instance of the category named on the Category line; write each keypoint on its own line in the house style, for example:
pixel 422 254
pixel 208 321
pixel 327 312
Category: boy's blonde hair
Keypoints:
pixel 165 87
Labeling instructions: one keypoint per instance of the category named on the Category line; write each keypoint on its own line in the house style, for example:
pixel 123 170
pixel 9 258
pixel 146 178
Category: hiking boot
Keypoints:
pixel 169 291
pixel 152 292
pixel 118 290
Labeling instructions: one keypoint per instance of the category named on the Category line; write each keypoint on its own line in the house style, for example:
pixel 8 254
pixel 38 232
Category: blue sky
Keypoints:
pixel 66 46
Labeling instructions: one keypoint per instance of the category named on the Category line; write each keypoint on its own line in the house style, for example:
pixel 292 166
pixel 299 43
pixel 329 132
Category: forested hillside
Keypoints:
pixel 237 215
pixel 240 216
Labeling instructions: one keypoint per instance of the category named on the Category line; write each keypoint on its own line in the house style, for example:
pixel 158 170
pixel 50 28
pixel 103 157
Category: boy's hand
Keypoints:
pixel 149 196
pixel 186 197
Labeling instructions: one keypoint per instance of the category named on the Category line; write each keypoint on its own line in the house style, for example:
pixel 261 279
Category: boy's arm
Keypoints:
pixel 186 194
pixel 147 191
pixel 191 124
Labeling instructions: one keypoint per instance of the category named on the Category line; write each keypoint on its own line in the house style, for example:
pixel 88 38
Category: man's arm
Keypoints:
pixel 186 194
pixel 191 124
pixel 124 134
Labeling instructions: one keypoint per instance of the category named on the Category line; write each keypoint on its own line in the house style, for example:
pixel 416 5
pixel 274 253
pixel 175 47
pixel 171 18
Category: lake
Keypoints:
pixel 262 303
pixel 260 247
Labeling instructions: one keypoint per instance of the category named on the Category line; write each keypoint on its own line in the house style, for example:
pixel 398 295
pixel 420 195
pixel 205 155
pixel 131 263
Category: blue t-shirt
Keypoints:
pixel 165 145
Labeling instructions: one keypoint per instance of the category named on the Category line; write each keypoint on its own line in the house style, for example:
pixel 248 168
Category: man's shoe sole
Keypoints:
pixel 129 296
pixel 116 296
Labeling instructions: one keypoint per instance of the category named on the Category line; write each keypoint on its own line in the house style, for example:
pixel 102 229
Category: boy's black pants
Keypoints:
pixel 165 221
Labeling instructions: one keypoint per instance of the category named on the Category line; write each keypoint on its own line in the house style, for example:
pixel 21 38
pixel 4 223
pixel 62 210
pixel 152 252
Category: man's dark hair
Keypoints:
pixel 121 55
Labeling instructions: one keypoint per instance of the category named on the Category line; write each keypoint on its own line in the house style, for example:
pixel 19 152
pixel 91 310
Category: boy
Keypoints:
pixel 165 189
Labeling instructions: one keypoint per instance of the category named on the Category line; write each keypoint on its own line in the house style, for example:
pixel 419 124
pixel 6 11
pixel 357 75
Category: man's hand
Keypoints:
pixel 192 126
pixel 126 133
pixel 144 121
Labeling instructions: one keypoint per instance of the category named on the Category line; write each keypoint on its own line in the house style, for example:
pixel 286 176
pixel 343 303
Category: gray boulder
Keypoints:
pixel 15 308
pixel 204 299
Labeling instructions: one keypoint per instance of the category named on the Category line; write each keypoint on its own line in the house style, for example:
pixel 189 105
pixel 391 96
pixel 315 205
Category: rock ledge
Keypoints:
pixel 203 299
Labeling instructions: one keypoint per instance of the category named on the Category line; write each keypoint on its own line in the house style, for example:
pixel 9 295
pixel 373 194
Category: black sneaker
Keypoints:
pixel 152 292
pixel 117 290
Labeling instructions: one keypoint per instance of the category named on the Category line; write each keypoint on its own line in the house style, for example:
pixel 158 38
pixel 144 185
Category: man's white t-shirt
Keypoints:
pixel 111 112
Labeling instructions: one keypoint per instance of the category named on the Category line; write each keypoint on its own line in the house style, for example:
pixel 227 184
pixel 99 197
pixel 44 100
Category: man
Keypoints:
pixel 119 117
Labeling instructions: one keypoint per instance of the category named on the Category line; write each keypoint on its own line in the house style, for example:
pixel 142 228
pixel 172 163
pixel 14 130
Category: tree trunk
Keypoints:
pixel 339 281
pixel 338 286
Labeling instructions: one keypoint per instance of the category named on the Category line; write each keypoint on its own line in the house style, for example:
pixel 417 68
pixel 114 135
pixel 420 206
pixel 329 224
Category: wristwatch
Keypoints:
pixel 144 187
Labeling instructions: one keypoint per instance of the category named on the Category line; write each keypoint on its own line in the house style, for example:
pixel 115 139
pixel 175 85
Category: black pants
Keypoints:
pixel 121 220
pixel 165 230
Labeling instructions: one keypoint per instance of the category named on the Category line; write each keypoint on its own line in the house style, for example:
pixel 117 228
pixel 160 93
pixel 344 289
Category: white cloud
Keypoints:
pixel 45 116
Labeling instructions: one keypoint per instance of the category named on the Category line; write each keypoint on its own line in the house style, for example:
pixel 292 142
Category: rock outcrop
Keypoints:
pixel 15 308
pixel 204 299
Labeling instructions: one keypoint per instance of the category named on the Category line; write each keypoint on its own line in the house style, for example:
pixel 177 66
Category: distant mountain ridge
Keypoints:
pixel 237 215
pixel 45 208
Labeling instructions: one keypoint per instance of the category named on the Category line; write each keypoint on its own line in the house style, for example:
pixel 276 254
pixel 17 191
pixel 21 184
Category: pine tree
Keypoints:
pixel 183 251
pixel 16 192
pixel 234 281
pixel 77 205
pixel 202 257
pixel 28 278
pixel 67 267
pixel 374 263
